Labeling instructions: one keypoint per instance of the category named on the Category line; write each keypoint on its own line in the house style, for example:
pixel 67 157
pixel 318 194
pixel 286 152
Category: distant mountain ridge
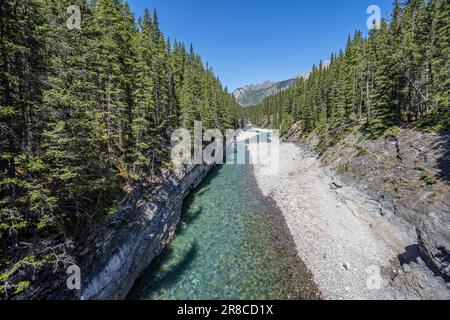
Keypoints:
pixel 254 94
pixel 251 95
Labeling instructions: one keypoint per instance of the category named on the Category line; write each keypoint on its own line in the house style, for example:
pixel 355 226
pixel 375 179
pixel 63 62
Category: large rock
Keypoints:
pixel 434 241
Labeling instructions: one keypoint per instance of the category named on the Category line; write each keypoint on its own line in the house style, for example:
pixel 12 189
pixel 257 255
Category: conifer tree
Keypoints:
pixel 440 56
pixel 398 75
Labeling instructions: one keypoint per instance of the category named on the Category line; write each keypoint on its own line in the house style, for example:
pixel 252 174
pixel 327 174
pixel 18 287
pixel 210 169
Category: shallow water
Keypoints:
pixel 225 247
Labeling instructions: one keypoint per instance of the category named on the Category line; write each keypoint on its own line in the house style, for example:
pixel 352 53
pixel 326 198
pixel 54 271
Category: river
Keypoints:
pixel 232 243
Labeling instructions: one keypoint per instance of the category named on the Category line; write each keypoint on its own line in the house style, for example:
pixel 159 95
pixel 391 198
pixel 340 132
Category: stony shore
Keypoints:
pixel 352 250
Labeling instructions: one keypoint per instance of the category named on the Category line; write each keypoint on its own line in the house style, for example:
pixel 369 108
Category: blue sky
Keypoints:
pixel 250 41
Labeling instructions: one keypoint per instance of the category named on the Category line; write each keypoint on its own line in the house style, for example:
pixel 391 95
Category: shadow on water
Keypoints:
pixel 175 272
pixel 203 191
pixel 204 186
pixel 188 218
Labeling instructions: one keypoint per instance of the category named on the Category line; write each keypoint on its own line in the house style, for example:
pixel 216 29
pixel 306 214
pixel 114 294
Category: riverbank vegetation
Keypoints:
pixel 85 117
pixel 399 75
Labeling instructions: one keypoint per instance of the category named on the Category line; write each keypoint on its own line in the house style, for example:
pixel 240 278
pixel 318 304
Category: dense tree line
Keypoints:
pixel 399 74
pixel 85 117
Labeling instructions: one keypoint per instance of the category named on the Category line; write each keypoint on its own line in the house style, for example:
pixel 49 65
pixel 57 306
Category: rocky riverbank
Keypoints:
pixel 233 243
pixel 346 236
pixel 409 174
pixel 127 244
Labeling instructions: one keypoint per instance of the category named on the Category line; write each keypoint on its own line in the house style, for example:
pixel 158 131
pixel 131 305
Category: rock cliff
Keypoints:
pixel 409 175
pixel 130 240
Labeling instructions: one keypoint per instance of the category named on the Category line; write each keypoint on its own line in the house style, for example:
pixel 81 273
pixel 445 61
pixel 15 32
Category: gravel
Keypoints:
pixel 348 246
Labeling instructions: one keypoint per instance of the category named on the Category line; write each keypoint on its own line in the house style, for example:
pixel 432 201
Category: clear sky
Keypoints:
pixel 250 41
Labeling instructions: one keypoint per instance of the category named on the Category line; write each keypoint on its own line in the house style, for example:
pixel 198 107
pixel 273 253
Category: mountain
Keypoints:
pixel 254 94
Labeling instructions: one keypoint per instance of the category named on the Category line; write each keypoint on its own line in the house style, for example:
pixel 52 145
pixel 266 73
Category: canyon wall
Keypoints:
pixel 125 246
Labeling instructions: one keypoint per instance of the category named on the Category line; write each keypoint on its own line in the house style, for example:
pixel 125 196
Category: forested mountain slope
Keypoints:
pixel 86 117
pixel 252 95
pixel 399 74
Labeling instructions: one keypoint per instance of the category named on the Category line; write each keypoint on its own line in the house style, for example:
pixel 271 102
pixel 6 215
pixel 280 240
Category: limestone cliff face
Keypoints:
pixel 130 240
pixel 138 234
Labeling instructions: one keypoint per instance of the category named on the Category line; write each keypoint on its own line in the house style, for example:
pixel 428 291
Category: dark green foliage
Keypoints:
pixel 398 75
pixel 86 116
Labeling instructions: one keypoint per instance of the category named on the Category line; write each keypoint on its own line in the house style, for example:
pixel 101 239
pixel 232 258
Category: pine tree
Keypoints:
pixel 22 68
pixel 144 123
pixel 322 130
pixel 440 57
pixel 385 102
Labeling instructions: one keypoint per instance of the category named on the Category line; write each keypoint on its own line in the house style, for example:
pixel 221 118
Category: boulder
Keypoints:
pixel 434 242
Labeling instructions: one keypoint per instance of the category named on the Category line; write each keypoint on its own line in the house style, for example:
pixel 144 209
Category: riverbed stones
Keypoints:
pixel 346 223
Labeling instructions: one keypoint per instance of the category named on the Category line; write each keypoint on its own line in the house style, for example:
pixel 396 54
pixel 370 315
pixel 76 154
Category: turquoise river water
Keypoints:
pixel 231 244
